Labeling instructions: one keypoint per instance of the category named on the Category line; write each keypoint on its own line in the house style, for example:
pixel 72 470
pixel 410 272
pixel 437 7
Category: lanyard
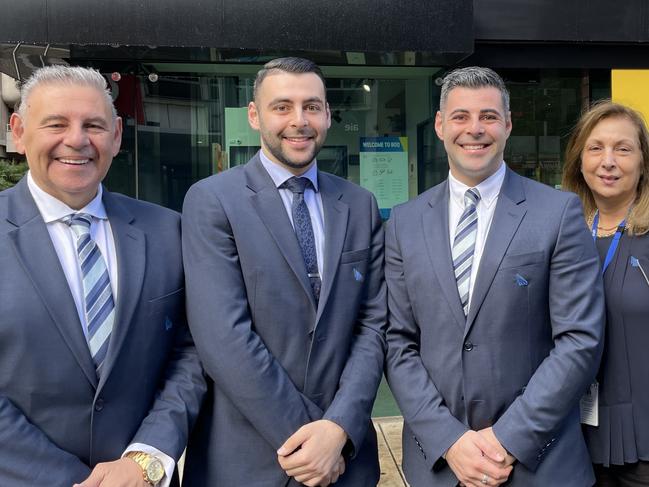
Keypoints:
pixel 616 240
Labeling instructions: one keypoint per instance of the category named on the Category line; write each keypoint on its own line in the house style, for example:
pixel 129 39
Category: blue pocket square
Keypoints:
pixel 635 262
pixel 520 280
pixel 168 324
pixel 357 275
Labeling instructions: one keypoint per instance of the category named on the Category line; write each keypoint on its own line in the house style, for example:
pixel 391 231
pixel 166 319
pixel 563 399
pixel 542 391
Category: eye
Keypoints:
pixel 313 108
pixel 489 117
pixel 593 148
pixel 281 108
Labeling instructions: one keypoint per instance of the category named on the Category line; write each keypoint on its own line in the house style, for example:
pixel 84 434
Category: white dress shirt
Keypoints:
pixel 65 243
pixel 312 198
pixel 489 190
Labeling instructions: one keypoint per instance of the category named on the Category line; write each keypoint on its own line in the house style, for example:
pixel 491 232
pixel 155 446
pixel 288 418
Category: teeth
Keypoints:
pixel 76 162
pixel 473 147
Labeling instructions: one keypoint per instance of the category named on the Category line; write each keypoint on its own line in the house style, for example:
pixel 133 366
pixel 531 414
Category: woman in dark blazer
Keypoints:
pixel 607 165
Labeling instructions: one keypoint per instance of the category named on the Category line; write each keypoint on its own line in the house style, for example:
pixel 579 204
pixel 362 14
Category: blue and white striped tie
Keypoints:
pixel 464 246
pixel 98 295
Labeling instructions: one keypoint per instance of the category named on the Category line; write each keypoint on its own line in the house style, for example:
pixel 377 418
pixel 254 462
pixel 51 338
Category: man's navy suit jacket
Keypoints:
pixel 57 420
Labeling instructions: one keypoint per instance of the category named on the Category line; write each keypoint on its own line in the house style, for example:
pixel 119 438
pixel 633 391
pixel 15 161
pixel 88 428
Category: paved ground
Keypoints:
pixel 388 432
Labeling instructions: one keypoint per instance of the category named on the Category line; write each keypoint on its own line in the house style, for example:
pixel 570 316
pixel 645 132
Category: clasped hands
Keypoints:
pixel 477 458
pixel 312 455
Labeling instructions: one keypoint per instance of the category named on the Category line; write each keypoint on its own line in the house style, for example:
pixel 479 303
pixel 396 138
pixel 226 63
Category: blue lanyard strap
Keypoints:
pixel 612 248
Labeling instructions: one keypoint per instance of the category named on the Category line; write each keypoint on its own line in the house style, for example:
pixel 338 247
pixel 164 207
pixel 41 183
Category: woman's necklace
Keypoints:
pixel 602 231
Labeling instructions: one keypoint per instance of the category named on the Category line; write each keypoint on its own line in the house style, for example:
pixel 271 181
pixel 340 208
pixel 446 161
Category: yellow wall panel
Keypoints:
pixel 631 87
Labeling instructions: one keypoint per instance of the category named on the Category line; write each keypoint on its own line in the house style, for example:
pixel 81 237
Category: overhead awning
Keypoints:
pixel 434 26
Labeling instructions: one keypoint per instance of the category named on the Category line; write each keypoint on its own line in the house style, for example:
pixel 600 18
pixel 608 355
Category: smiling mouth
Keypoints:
pixel 73 162
pixel 609 178
pixel 474 146
pixel 298 139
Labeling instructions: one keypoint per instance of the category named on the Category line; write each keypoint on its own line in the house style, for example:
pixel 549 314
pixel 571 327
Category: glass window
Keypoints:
pixel 184 122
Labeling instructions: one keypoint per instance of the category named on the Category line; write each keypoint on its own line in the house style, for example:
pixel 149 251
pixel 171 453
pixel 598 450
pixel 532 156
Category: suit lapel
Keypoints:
pixel 508 215
pixel 336 214
pixel 35 252
pixel 270 208
pixel 436 236
pixel 130 247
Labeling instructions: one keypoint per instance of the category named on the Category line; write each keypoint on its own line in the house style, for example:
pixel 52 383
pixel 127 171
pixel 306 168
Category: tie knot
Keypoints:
pixel 297 185
pixel 471 197
pixel 78 222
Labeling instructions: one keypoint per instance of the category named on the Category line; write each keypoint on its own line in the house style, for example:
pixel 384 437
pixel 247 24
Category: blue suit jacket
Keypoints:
pixel 277 362
pixel 57 421
pixel 525 353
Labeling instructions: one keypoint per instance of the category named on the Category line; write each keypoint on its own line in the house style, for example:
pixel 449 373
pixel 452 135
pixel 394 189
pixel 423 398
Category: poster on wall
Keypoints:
pixel 384 170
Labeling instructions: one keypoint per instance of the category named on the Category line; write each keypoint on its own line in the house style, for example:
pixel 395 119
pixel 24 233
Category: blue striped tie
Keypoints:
pixel 464 246
pixel 98 296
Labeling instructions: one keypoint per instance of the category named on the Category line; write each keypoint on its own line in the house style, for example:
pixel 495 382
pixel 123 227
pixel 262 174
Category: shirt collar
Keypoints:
pixel 53 209
pixel 489 188
pixel 280 174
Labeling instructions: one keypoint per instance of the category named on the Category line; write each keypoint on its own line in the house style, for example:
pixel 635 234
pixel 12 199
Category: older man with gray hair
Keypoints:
pixel 496 310
pixel 99 380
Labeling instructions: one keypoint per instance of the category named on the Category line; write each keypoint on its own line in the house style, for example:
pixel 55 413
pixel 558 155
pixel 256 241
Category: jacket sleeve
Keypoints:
pixel 352 404
pixel 28 456
pixel 422 405
pixel 527 428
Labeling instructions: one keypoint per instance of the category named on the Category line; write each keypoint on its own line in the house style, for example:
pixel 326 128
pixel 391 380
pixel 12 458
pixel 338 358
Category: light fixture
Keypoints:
pixel 367 85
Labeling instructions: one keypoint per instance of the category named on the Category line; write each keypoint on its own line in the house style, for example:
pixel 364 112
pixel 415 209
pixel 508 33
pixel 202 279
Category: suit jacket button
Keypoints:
pixel 99 404
pixel 468 346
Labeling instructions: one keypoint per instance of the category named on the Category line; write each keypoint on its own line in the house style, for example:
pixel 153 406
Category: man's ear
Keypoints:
pixel 438 125
pixel 17 126
pixel 253 115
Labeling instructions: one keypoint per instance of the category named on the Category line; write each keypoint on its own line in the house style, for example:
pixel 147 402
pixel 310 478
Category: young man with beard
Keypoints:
pixel 287 303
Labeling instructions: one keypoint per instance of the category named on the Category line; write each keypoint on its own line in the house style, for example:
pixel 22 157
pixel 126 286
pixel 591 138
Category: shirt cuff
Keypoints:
pixel 167 462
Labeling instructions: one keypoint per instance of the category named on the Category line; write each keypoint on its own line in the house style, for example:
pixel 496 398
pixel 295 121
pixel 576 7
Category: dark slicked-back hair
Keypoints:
pixel 295 65
pixel 473 77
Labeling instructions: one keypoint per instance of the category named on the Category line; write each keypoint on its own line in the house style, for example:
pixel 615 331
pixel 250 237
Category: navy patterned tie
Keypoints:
pixel 464 246
pixel 304 231
pixel 98 296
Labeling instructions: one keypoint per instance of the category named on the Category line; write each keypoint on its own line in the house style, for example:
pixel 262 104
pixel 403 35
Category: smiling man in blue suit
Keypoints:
pixel 496 311
pixel 99 379
pixel 286 301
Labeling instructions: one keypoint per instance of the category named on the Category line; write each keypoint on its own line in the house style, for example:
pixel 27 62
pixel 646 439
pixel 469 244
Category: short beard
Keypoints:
pixel 277 152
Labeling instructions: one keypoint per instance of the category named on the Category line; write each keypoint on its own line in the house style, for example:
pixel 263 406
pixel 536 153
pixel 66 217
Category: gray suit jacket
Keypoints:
pixel 527 350
pixel 57 421
pixel 277 362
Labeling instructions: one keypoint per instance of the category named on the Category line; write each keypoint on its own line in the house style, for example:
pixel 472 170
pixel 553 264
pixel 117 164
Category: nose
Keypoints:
pixel 76 136
pixel 475 127
pixel 299 120
pixel 608 158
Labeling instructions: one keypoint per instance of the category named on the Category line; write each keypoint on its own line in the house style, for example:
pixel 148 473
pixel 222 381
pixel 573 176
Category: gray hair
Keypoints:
pixel 473 77
pixel 295 65
pixel 67 75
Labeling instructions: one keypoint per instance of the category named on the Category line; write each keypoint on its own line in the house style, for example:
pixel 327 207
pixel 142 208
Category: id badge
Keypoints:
pixel 589 406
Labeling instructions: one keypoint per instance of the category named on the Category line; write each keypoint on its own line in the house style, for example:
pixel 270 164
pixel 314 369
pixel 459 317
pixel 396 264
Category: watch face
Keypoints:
pixel 155 471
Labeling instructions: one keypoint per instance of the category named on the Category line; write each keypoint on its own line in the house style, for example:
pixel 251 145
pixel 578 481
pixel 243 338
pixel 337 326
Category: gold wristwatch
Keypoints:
pixel 152 469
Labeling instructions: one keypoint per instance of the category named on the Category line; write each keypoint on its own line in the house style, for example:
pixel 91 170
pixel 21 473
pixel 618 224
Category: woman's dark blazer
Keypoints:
pixel 623 432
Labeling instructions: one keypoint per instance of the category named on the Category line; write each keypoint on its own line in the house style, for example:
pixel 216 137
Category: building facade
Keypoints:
pixel 181 74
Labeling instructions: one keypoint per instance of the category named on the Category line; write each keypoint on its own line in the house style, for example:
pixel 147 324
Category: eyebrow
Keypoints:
pixel 621 141
pixel 486 110
pixel 55 118
pixel 313 99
